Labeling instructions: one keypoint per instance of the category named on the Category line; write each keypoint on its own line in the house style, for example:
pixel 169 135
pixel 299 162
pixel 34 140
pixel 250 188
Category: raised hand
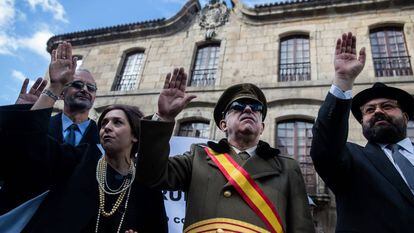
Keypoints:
pixel 173 98
pixel 347 64
pixel 62 65
pixel 34 92
pixel 61 70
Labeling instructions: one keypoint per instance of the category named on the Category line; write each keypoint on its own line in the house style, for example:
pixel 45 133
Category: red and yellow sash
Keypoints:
pixel 248 190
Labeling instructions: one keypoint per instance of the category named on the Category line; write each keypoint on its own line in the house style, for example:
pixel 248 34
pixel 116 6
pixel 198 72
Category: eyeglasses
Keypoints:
pixel 384 106
pixel 237 106
pixel 80 85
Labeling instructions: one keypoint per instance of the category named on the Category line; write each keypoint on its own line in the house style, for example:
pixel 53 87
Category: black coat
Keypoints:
pixel 371 196
pixel 68 172
pixel 13 173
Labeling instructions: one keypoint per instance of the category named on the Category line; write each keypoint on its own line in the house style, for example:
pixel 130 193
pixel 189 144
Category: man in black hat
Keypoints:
pixel 239 184
pixel 373 185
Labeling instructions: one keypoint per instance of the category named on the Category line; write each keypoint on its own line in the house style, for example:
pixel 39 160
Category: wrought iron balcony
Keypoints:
pixel 125 82
pixel 392 66
pixel 294 72
pixel 203 77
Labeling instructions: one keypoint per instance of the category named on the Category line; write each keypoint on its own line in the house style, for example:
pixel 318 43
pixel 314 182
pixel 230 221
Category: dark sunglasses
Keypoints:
pixel 237 106
pixel 80 85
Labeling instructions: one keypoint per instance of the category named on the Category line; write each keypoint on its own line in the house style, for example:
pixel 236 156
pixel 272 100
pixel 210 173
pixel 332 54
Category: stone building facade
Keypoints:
pixel 284 48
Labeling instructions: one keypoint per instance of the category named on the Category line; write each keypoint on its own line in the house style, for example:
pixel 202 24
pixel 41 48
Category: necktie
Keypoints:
pixel 244 155
pixel 71 137
pixel 404 164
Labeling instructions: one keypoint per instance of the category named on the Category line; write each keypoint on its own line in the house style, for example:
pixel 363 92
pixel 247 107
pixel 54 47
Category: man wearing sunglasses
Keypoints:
pixel 78 97
pixel 239 184
pixel 72 129
pixel 373 184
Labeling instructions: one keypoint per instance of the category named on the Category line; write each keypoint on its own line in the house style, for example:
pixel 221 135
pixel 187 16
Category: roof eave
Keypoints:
pixel 311 8
pixel 156 27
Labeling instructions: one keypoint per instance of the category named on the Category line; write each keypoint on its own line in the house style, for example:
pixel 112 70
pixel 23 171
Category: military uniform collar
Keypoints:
pixel 258 167
pixel 250 151
pixel 263 149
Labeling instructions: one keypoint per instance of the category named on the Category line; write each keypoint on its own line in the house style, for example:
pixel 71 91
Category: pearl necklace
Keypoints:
pixel 125 188
pixel 101 169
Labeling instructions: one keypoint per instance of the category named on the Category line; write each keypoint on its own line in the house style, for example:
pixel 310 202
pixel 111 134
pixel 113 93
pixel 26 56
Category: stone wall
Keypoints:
pixel 248 53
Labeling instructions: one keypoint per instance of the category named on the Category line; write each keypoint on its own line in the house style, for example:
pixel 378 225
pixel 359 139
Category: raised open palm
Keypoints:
pixel 62 66
pixel 173 98
pixel 34 92
pixel 347 64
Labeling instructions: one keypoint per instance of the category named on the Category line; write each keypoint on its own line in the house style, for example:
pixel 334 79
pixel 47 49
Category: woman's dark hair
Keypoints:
pixel 133 115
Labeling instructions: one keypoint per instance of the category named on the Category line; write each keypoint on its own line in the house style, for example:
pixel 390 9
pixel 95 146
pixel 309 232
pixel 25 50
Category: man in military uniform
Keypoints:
pixel 239 184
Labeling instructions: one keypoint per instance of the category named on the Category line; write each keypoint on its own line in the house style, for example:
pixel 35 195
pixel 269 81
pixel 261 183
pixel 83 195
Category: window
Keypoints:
pixel 410 130
pixel 205 65
pixel 198 129
pixel 294 138
pixel 79 61
pixel 389 52
pixel 128 77
pixel 294 61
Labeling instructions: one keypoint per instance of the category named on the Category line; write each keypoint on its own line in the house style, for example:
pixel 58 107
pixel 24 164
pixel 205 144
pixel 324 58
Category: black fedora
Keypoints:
pixel 380 90
pixel 237 92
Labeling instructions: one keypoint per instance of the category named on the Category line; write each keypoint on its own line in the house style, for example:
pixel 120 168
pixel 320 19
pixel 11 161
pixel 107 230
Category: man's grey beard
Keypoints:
pixel 384 134
pixel 76 105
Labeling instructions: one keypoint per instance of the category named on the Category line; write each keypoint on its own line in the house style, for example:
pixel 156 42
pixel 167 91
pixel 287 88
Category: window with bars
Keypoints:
pixel 79 61
pixel 294 60
pixel 389 52
pixel 127 79
pixel 294 138
pixel 198 129
pixel 205 65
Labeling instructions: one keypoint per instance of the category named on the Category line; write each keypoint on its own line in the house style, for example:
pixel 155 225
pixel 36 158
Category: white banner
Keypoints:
pixel 175 200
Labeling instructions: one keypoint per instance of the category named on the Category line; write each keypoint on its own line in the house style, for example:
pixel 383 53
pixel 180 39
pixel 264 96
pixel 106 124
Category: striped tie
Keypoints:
pixel 404 164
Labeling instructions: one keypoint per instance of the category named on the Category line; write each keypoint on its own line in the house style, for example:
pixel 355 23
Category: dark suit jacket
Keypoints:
pixel 68 172
pixel 12 172
pixel 371 196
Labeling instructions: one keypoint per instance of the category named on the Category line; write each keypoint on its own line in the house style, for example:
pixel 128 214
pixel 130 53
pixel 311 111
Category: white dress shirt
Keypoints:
pixel 406 149
pixel 251 151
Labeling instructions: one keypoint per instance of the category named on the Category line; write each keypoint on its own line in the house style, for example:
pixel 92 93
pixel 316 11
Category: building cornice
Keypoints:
pixel 158 27
pixel 302 9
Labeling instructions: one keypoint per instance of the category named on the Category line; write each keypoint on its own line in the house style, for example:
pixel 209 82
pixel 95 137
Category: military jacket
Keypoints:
pixel 210 195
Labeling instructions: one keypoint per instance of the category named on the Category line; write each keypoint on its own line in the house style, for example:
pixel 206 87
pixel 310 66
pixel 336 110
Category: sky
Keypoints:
pixel 26 25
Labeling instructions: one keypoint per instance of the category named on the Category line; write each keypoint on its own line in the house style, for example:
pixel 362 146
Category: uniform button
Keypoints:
pixel 227 194
pixel 220 230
